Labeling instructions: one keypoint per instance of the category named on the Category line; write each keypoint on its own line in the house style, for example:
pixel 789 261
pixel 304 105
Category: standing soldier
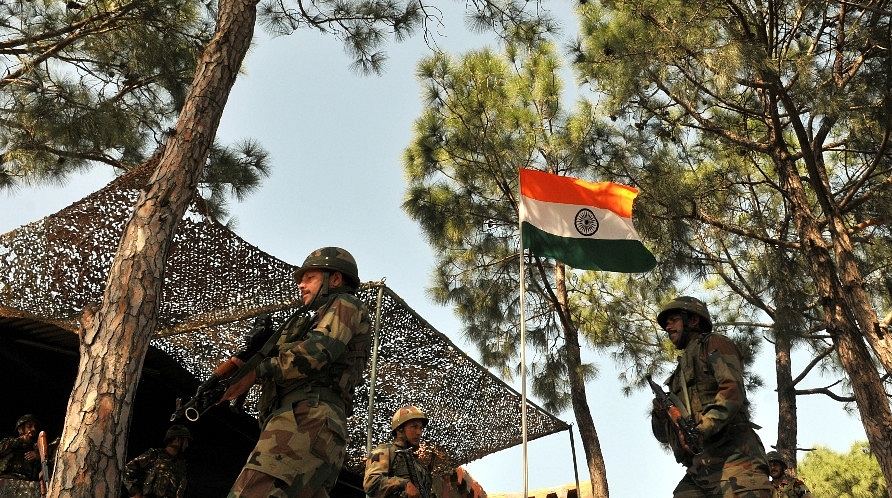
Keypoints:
pixel 785 486
pixel 160 472
pixel 392 470
pixel 19 458
pixel 308 384
pixel 709 389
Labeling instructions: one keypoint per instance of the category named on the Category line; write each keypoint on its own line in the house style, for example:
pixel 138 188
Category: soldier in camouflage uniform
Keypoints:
pixel 708 384
pixel 785 486
pixel 308 385
pixel 391 470
pixel 19 458
pixel 160 472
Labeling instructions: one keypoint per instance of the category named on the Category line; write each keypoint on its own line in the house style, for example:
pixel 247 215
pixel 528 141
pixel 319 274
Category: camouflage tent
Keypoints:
pixel 217 283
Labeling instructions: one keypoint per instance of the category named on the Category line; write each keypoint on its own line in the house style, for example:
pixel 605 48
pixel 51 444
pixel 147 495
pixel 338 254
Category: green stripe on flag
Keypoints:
pixel 626 256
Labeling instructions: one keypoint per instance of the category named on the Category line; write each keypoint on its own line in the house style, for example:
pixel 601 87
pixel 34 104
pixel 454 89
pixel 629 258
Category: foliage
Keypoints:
pixel 486 116
pixel 855 474
pixel 759 135
pixel 102 82
pixel 92 82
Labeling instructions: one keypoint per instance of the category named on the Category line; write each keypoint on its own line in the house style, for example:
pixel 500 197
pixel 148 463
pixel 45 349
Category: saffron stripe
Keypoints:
pixel 567 190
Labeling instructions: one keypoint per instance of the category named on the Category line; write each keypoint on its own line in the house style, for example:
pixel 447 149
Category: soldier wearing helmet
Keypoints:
pixel 391 469
pixel 160 472
pixel 308 384
pixel 785 485
pixel 19 458
pixel 709 388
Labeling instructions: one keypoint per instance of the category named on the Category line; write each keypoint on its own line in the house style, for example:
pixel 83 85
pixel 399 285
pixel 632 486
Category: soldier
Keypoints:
pixel 392 470
pixel 708 384
pixel 160 472
pixel 19 458
pixel 308 384
pixel 785 486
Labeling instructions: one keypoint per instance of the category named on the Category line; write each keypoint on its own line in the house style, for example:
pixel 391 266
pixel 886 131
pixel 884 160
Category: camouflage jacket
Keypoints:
pixel 711 368
pixel 13 463
pixel 156 473
pixel 327 350
pixel 790 487
pixel 387 472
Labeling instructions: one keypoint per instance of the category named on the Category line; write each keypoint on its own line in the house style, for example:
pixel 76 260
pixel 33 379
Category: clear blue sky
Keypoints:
pixel 335 140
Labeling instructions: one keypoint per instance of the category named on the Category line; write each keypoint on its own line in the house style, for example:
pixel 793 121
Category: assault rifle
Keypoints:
pixel 43 449
pixel 691 436
pixel 211 390
pixel 423 490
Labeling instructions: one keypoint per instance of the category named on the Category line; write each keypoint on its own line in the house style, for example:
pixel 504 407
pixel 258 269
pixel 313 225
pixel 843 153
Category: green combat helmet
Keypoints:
pixel 331 258
pixel 406 414
pixel 177 431
pixel 24 419
pixel 690 305
pixel 774 456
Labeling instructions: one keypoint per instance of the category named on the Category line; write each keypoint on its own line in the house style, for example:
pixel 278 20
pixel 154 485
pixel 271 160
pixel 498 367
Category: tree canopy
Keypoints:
pixel 855 474
pixel 760 133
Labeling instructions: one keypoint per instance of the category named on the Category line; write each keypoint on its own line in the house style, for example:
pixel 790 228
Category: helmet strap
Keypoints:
pixel 686 331
pixel 324 289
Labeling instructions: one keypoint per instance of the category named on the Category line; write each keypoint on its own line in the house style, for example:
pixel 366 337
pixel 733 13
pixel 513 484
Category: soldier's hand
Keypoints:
pixel 32 455
pixel 241 386
pixel 412 491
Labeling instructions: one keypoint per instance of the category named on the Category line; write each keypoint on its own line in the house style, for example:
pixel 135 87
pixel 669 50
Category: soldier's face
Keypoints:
pixel 310 283
pixel 776 469
pixel 28 431
pixel 675 328
pixel 413 430
pixel 181 444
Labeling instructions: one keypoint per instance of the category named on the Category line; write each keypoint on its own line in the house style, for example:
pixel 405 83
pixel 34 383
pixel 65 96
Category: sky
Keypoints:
pixel 335 140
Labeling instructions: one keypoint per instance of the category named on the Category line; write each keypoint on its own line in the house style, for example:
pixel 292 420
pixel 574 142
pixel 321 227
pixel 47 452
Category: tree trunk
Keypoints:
pixel 594 458
pixel 840 317
pixel 787 422
pixel 114 340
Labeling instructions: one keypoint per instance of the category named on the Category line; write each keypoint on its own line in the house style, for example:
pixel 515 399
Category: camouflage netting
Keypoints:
pixel 217 283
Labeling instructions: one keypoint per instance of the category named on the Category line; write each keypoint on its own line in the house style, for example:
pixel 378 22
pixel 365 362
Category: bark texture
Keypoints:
pixel 114 337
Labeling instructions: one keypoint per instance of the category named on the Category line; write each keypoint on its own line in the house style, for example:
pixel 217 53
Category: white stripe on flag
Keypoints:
pixel 560 219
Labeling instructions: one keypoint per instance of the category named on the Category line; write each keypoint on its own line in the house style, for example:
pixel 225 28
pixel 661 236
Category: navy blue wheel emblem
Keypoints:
pixel 586 222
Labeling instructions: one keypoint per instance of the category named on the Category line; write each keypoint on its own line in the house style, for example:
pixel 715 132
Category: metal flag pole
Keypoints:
pixel 523 353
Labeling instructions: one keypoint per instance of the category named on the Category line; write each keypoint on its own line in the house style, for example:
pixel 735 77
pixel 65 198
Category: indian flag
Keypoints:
pixel 584 225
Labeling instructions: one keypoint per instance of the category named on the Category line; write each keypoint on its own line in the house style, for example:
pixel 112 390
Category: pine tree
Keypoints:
pixel 760 138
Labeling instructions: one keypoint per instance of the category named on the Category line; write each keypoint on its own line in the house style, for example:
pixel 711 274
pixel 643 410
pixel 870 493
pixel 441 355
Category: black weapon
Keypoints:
pixel 413 472
pixel 211 390
pixel 691 435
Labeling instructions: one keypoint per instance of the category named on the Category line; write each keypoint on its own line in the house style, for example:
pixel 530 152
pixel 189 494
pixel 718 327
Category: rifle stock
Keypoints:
pixel 690 433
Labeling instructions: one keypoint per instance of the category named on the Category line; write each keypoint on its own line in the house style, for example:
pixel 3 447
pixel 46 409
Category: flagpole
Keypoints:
pixel 523 356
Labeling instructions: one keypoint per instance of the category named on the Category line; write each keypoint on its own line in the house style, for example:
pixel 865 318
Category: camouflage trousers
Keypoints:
pixel 737 468
pixel 299 453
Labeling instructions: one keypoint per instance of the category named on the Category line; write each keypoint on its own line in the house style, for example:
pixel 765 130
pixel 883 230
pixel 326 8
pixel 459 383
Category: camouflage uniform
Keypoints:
pixel 13 464
pixel 733 461
pixel 156 473
pixel 387 471
pixel 785 486
pixel 306 399
pixel 790 487
pixel 13 450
